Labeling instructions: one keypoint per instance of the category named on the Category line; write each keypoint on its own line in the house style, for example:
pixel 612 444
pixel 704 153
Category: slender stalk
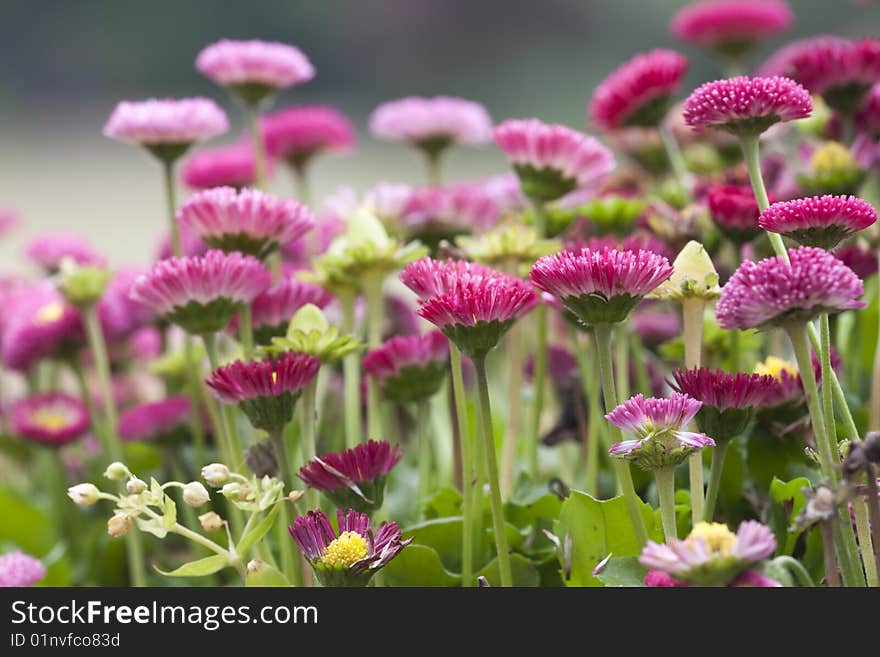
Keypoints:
pixel 665 479
pixel 86 397
pixel 308 422
pixel 227 424
pixel 602 333
pixel 375 312
pixel 246 331
pixel 676 160
pixel 498 523
pixel 351 376
pixel 639 361
pixel 423 424
pixel 171 207
pixel 621 365
pixel 715 474
pixel 866 543
pixel 872 501
pixel 586 368
pixel 288 558
pixel 514 406
pixel 196 398
pixel 467 538
pixel 434 162
pixel 874 406
pixel 797 568
pixel 253 118
pixel 540 379
pixel 692 309
pixel 302 183
pixel 832 576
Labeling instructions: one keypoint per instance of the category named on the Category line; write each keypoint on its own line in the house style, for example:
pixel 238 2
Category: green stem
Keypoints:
pixel 514 405
pixel 467 540
pixel 715 474
pixel 621 365
pixel 86 397
pixel 498 523
pixel 796 567
pixel 692 309
pixel 540 378
pixel 302 183
pixel 375 312
pixel 434 163
pixel 586 368
pixel 874 406
pixel 288 558
pixel 665 479
pixel 423 424
pixel 308 417
pixel 872 501
pixel 196 398
pixel 229 435
pixel 246 331
pixel 171 207
pixel 602 333
pixel 351 376
pixel 253 118
pixel 676 160
pixel 640 363
pixel 98 347
pixel 866 543
pixel 832 576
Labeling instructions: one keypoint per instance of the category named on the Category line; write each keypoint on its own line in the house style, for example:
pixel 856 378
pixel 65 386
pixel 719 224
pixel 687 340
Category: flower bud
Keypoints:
pixel 81 286
pixel 136 486
pixel 118 525
pixel 84 494
pixel 295 495
pixel 216 474
pixel 211 522
pixel 195 494
pixel 232 489
pixel 116 471
pixel 693 276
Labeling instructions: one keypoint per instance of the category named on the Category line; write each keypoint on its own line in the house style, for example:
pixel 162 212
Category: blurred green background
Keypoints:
pixel 65 63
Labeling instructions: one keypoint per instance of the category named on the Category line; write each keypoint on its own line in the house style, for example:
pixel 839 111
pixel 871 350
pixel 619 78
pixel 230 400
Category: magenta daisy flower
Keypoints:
pixel 165 420
pixel 654 327
pixel 353 478
pixel 600 286
pixel 233 166
pixel 476 311
pixel 39 323
pixel 735 211
pixel 711 555
pixel 121 315
pixel 49 249
pixel 201 294
pixel 191 245
pixel 729 399
pixel 552 160
pixel 267 390
pixel 351 556
pixel 780 62
pixel 639 92
pixel 432 124
pixel 167 127
pixel 272 310
pixel 731 27
pixel 430 278
pixel 409 368
pixel 433 214
pixel 658 425
pixel 52 419
pixel 861 259
pixel 296 134
pixel 822 221
pixel 250 221
pixel 773 292
pixel 20 569
pixel 746 106
pixel 868 116
pixel 254 69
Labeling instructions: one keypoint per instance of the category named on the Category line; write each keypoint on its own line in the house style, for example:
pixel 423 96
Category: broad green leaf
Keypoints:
pixel 257 532
pixel 445 503
pixel 418 565
pixel 623 571
pixel 597 529
pixel 265 575
pixel 27 526
pixel 199 568
pixel 789 500
pixel 444 536
pixel 524 572
pixel 169 518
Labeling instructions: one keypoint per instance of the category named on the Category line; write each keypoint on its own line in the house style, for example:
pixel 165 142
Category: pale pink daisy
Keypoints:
pixel 166 123
pixel 432 123
pixel 296 134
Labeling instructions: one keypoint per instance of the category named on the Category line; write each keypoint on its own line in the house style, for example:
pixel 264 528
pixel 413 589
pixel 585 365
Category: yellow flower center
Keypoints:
pixel 345 550
pixel 49 419
pixel 717 538
pixel 775 367
pixel 49 313
pixel 274 376
pixel 830 157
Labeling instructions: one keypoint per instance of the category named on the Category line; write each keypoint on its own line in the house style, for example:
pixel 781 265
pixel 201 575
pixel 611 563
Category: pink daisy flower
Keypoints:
pixel 272 310
pixel 773 292
pixel 868 116
pixel 250 220
pixel 254 69
pixel 351 556
pixel 655 327
pixel 387 200
pixel 735 211
pixel 862 260
pixel 780 62
pixel 265 390
pixel 409 368
pixel 505 192
pixel 162 420
pixel 433 214
pixel 233 165
pixel 20 569
pixel 52 419
pixel 600 286
pixel 658 426
pixel 191 244
pixel 353 478
pixel 121 315
pixel 39 324
pixel 731 27
pixel 430 278
pixel 168 126
pixel 639 92
pixel 49 249
pixel 201 294
pixel 822 221
pixel 295 134
pixel 476 311
pixel 711 555
pixel 746 106
pixel 432 123
pixel 552 160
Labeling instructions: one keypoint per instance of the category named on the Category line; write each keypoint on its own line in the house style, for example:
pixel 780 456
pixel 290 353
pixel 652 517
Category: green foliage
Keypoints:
pixel 199 568
pixel 623 571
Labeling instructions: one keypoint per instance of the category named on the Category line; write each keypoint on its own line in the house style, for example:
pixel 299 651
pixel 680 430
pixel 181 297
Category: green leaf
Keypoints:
pixel 623 571
pixel 789 500
pixel 257 532
pixel 265 575
pixel 199 568
pixel 444 536
pixel 169 517
pixel 152 526
pixel 446 502
pixel 597 529
pixel 525 573
pixel 418 565
pixel 25 525
pixel 156 489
